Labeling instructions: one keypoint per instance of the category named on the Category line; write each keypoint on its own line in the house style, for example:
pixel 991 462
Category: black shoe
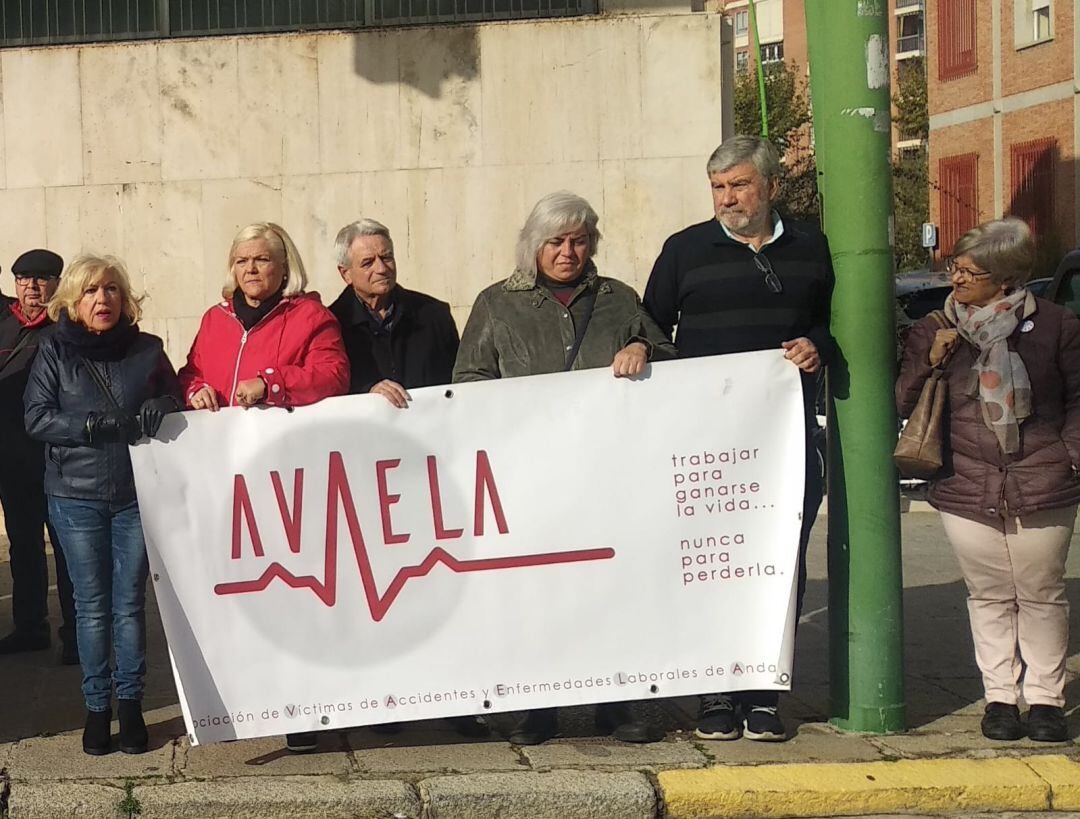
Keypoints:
pixel 538 725
pixel 1046 723
pixel 96 739
pixel 470 726
pixel 303 743
pixel 25 640
pixel 763 725
pixel 717 720
pixel 618 720
pixel 69 652
pixel 133 735
pixel 1002 722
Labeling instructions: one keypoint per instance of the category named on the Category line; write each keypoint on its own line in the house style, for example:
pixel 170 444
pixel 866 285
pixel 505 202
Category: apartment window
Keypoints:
pixel 742 22
pixel 909 34
pixel 1032 179
pixel 44 22
pixel 1033 21
pixel 772 52
pixel 958 194
pixel 956 39
pixel 742 61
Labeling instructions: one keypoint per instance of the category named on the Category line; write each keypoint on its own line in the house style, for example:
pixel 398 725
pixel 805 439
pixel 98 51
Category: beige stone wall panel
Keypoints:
pixel 121 121
pixel 681 97
pixel 439 101
pixel 359 117
pixel 42 111
pixel 277 122
pixel 24 228
pixel 84 219
pixel 644 203
pixel 228 205
pixel 174 280
pixel 203 124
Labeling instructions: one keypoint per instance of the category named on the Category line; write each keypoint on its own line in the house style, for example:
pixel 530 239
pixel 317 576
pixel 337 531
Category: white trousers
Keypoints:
pixel 1015 575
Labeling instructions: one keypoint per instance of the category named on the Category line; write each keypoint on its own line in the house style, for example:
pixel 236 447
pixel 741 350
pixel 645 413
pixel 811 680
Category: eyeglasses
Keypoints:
pixel 25 279
pixel 771 279
pixel 954 269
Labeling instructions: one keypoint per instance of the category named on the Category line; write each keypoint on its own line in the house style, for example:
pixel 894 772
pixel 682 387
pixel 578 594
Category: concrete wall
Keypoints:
pixel 159 151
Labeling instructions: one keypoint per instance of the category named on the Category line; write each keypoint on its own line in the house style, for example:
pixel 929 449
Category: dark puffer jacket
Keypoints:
pixel 60 396
pixel 979 481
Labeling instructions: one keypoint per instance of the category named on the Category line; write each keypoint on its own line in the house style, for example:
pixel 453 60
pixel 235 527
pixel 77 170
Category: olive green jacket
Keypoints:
pixel 518 328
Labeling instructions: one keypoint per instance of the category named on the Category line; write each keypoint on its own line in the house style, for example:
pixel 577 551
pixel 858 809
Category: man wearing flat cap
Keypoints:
pixel 22 465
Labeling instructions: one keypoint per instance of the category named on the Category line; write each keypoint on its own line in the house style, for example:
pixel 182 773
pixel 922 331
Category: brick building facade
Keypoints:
pixel 1003 87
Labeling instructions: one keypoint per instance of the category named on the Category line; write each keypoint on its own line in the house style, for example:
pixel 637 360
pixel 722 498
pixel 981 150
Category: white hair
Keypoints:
pixel 348 234
pixel 554 214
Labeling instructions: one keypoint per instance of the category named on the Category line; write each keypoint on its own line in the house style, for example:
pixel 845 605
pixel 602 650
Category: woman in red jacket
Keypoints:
pixel 267 341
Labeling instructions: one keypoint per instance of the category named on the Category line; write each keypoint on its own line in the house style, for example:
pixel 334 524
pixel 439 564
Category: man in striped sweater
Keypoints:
pixel 748 280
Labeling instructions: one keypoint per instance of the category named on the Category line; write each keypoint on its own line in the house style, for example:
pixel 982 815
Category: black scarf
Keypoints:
pixel 250 316
pixel 111 345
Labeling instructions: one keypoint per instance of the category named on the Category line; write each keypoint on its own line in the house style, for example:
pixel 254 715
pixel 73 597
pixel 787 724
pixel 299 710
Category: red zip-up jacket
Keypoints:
pixel 296 349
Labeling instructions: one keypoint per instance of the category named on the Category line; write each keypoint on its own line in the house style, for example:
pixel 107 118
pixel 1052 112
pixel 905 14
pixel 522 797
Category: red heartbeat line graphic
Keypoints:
pixel 379 605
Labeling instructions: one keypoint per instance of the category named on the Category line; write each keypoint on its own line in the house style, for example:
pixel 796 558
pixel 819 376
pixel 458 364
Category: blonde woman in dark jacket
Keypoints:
pixel 1008 498
pixel 97 385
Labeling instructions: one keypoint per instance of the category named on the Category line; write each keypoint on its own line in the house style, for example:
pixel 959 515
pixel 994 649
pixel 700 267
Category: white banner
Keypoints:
pixel 554 540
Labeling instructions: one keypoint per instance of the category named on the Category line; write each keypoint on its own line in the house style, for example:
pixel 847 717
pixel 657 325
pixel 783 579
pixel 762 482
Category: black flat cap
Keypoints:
pixel 40 262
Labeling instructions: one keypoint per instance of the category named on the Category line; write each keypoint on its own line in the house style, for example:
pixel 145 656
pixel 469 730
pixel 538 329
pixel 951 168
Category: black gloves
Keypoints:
pixel 153 412
pixel 113 426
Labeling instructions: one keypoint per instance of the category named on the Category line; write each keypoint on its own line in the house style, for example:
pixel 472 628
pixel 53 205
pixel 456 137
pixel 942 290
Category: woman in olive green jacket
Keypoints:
pixel 529 323
pixel 556 313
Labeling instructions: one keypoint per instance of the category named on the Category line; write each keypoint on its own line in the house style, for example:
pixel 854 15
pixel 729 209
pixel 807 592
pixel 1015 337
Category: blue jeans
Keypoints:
pixel 106 557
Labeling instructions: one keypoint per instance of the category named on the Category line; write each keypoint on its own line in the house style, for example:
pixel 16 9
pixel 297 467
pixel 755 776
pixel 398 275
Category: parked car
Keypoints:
pixel 920 292
pixel 1064 287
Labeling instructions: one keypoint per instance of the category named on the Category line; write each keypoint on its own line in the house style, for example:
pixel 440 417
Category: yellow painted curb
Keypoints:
pixel 848 789
pixel 1063 777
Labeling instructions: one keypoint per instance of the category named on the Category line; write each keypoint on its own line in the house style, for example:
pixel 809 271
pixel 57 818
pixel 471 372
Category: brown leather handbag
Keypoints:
pixel 921 449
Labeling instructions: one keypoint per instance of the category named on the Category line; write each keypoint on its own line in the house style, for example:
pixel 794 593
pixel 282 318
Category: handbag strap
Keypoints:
pixel 99 379
pixel 942 320
pixel 582 326
pixel 22 342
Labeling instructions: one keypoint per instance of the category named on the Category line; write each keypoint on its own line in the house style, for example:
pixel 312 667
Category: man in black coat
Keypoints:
pixel 396 339
pixel 748 280
pixel 22 465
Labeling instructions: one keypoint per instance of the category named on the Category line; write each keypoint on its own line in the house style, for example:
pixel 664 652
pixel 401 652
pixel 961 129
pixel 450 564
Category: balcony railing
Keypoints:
pixel 909 5
pixel 43 22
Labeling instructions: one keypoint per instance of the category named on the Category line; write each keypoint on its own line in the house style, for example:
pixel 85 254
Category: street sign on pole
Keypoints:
pixel 929 235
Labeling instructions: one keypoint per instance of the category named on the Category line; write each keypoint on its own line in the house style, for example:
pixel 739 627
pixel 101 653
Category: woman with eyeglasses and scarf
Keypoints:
pixel 1009 490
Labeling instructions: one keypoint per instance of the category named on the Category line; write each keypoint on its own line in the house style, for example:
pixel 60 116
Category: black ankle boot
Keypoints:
pixel 538 725
pixel 618 720
pixel 96 739
pixel 133 736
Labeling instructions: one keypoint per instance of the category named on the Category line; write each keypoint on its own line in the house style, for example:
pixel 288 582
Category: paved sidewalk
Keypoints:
pixel 942 766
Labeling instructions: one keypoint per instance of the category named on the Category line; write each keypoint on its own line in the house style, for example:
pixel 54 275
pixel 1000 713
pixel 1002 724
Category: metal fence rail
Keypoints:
pixel 45 22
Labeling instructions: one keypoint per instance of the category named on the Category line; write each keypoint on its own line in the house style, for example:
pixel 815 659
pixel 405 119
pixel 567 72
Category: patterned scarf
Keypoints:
pixel 999 377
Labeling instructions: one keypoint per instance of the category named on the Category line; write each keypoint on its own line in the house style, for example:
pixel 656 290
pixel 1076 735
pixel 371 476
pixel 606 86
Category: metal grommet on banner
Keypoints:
pixel 448 394
pixel 325 720
pixel 654 689
pixel 157 577
pixel 487 703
